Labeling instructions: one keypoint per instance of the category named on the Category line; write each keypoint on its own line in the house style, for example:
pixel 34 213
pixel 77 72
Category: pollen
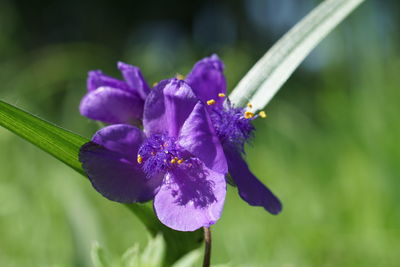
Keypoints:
pixel 174 160
pixel 180 76
pixel 139 159
pixel 211 102
pixel 221 95
pixel 262 114
pixel 249 105
pixel 180 161
pixel 248 115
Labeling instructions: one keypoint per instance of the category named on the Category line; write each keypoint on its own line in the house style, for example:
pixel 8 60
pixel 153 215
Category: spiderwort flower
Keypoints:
pixel 177 160
pixel 114 101
pixel 233 126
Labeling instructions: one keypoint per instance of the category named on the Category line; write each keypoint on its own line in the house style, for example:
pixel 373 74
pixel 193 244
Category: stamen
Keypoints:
pixel 180 161
pixel 248 115
pixel 262 114
pixel 249 105
pixel 180 76
pixel 211 102
pixel 155 157
pixel 139 159
pixel 221 95
pixel 232 125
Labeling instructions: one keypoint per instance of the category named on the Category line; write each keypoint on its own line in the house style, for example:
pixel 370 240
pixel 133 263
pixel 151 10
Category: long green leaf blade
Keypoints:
pixel 58 142
pixel 267 76
pixel 64 145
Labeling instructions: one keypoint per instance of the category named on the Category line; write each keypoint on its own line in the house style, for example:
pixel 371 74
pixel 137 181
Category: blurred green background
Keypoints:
pixel 330 148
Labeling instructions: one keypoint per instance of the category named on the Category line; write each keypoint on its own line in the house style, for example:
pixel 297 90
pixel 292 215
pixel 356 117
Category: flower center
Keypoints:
pixel 160 153
pixel 233 125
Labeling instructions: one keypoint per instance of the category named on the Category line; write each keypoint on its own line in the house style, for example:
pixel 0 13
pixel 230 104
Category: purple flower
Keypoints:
pixel 233 126
pixel 177 160
pixel 114 101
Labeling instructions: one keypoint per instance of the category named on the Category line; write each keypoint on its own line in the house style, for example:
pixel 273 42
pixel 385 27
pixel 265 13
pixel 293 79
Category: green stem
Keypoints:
pixel 207 248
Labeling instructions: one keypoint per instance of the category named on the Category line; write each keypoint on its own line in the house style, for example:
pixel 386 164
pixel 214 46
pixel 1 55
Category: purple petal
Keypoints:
pixel 154 110
pixel 179 103
pixel 188 200
pixel 250 188
pixel 97 79
pixel 198 137
pixel 114 171
pixel 111 105
pixel 167 107
pixel 121 138
pixel 134 79
pixel 207 79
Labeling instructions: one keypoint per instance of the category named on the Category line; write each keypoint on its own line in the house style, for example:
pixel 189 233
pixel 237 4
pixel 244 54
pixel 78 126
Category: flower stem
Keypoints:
pixel 207 249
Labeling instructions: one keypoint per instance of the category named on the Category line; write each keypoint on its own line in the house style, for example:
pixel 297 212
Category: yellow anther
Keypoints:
pixel 180 161
pixel 249 105
pixel 155 84
pixel 221 95
pixel 262 114
pixel 211 102
pixel 180 76
pixel 139 159
pixel 248 115
pixel 174 160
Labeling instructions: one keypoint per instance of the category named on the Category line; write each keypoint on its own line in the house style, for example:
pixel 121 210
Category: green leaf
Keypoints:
pixel 131 257
pixel 178 243
pixel 99 256
pixel 189 260
pixel 64 145
pixel 267 76
pixel 153 254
